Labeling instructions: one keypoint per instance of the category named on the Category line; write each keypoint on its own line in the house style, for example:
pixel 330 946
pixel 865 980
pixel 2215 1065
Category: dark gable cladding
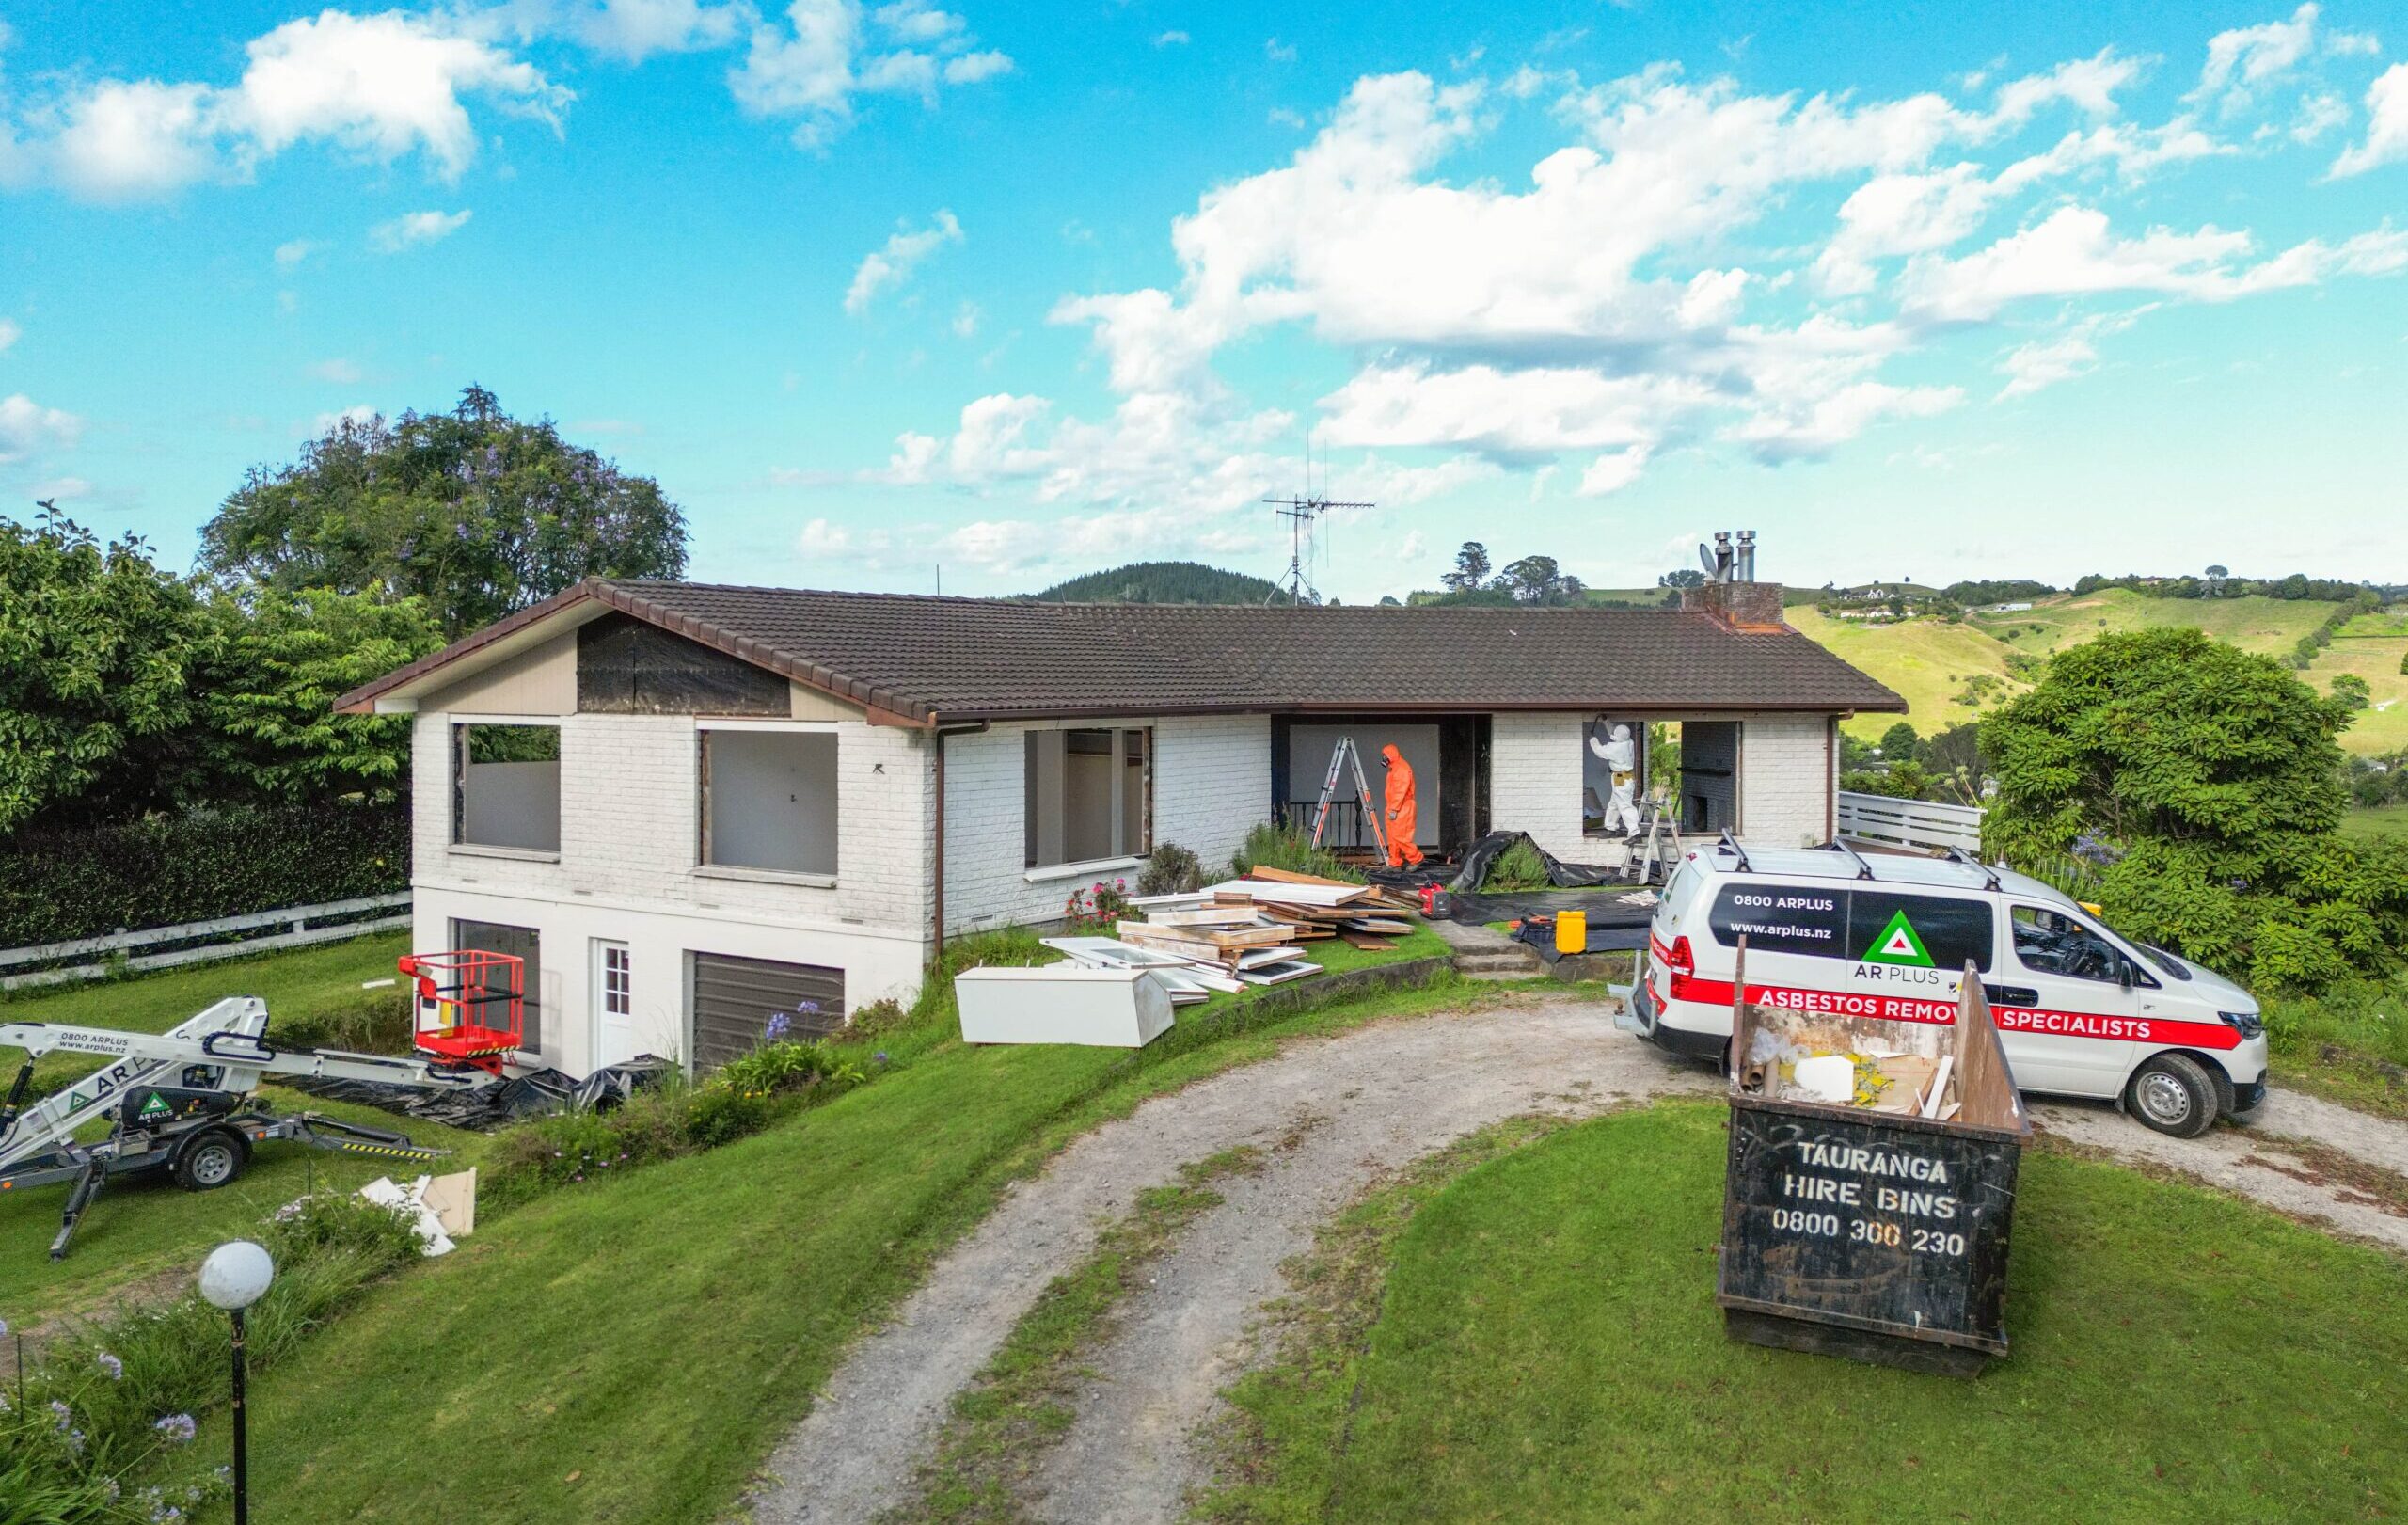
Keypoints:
pixel 932 660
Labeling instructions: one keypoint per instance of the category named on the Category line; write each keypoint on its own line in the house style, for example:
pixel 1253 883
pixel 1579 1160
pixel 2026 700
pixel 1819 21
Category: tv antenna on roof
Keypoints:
pixel 1301 515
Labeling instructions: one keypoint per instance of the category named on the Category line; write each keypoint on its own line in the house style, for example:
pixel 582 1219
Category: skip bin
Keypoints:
pixel 1875 1235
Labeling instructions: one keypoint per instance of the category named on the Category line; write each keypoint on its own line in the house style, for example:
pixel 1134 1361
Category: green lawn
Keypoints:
pixel 139 1230
pixel 2349 1044
pixel 2376 820
pixel 1547 1349
pixel 2383 726
pixel 630 1349
pixel 2254 624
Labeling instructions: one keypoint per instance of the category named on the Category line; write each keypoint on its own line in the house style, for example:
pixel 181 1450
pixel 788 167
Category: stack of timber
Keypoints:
pixel 1243 931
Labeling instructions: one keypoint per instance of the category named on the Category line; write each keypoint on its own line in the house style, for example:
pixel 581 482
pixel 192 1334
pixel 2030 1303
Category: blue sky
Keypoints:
pixel 1018 292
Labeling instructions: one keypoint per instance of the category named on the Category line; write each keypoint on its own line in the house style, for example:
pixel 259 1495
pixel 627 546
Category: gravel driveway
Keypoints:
pixel 1331 1116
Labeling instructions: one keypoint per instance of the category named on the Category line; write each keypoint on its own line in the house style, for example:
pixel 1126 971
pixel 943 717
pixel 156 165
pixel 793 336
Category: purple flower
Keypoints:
pixel 780 1025
pixel 177 1428
pixel 880 1056
pixel 812 1007
pixel 61 1416
pixel 111 1365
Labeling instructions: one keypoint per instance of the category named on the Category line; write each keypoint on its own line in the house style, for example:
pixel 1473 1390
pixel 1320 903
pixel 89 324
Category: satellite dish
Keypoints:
pixel 1705 556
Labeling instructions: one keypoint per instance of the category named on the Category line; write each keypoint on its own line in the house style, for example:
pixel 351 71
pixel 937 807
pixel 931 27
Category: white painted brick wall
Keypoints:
pixel 1786 781
pixel 1211 784
pixel 1534 780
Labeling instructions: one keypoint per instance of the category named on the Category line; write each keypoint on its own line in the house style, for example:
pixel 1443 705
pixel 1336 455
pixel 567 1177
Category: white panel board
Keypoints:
pixel 1062 1003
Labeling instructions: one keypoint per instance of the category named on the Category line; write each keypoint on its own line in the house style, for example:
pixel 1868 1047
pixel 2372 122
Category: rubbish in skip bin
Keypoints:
pixel 1062 1003
pixel 1872 1225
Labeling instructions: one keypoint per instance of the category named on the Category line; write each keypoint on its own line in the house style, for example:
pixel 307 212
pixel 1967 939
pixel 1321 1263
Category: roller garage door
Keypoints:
pixel 735 998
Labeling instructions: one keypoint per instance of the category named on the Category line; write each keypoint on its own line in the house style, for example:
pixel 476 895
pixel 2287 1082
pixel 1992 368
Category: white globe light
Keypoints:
pixel 235 1275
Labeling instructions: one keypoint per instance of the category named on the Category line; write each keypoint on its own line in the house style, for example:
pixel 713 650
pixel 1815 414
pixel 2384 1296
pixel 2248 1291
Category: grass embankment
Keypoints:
pixel 2383 726
pixel 629 1348
pixel 2254 624
pixel 141 1229
pixel 2376 820
pixel 2348 1045
pixel 1543 1346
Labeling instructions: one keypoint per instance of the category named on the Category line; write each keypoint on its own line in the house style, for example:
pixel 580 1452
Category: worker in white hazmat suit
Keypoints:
pixel 1620 755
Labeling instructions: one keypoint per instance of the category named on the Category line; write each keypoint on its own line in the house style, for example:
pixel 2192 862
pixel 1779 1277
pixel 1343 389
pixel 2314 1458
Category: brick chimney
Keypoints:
pixel 1742 606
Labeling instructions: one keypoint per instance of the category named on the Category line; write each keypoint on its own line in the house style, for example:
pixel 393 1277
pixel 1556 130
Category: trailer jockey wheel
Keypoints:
pixel 210 1159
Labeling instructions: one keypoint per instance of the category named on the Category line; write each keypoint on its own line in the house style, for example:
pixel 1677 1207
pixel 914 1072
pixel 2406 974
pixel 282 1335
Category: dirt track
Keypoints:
pixel 1331 1115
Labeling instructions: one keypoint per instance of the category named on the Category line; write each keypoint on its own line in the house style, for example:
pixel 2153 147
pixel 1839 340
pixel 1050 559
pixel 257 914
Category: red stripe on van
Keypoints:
pixel 2163 1032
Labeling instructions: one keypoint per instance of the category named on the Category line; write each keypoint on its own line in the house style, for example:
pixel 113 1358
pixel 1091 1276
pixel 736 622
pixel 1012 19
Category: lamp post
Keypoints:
pixel 233 1277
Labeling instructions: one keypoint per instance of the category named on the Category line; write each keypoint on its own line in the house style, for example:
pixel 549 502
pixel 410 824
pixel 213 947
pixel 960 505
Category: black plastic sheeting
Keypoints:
pixel 1603 936
pixel 533 1094
pixel 1566 876
pixel 1611 916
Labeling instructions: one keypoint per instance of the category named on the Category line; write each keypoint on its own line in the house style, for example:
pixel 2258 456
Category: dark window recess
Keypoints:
pixel 522 943
pixel 627 667
pixel 1833 923
pixel 735 998
pixel 1951 931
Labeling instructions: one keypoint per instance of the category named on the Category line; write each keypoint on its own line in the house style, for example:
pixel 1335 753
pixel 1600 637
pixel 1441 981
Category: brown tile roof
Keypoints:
pixel 931 659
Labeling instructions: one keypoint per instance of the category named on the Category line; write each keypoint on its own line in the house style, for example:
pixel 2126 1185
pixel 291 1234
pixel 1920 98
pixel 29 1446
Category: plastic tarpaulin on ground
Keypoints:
pixel 533 1094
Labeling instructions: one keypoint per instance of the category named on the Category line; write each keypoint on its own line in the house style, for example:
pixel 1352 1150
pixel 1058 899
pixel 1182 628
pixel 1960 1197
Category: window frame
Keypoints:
pixel 704 867
pixel 1124 853
pixel 460 725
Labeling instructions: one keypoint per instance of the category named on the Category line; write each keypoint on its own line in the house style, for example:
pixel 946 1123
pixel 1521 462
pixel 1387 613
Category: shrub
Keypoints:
pixel 1518 867
pixel 1273 846
pixel 1097 907
pixel 1170 869
pixel 58 885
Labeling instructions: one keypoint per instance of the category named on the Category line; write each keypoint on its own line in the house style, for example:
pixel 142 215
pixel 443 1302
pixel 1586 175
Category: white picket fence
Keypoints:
pixel 302 925
pixel 1910 823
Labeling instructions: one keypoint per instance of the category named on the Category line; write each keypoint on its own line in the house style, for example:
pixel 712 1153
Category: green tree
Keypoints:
pixel 99 651
pixel 472 511
pixel 1900 743
pixel 2351 690
pixel 1472 568
pixel 2210 781
pixel 1687 577
pixel 281 661
pixel 1537 579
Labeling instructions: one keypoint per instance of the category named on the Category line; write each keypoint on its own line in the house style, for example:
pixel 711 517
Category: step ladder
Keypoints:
pixel 1345 754
pixel 1648 861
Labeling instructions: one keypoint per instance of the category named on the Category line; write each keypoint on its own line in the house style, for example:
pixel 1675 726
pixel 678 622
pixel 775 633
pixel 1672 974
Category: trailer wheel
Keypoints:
pixel 210 1160
pixel 2172 1094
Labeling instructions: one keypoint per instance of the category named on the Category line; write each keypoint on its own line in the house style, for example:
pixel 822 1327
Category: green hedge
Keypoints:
pixel 163 872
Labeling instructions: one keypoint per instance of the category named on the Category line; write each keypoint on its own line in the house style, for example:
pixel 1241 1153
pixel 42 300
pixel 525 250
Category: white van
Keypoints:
pixel 2082 1011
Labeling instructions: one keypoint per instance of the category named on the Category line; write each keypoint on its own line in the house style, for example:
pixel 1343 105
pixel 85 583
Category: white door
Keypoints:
pixel 614 1025
pixel 2064 1016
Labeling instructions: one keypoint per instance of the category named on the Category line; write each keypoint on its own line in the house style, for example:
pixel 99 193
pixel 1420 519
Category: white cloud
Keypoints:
pixel 2044 363
pixel 27 427
pixel 825 53
pixel 2387 126
pixel 1173 38
pixel 2318 115
pixel 965 321
pixel 1412 547
pixel 415 230
pixel 820 540
pixel 60 489
pixel 380 86
pixel 893 262
pixel 2247 56
pixel 290 253
pixel 1279 52
pixel 9 333
pixel 1613 471
pixel 340 372
pixel 2087 84
pixel 1284 117
pixel 357 413
pixel 634 30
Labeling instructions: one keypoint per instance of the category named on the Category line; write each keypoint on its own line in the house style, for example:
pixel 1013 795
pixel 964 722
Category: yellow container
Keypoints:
pixel 1571 931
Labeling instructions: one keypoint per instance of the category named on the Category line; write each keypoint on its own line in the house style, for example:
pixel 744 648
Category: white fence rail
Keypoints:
pixel 301 923
pixel 1910 823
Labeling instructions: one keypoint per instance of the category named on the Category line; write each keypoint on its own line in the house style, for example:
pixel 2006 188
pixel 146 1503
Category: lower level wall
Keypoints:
pixel 1788 773
pixel 876 963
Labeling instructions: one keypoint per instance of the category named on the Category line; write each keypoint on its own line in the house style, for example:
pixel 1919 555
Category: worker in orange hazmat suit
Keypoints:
pixel 1403 849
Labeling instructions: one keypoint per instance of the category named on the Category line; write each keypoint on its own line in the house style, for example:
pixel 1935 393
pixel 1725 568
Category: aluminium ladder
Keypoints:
pixel 1345 754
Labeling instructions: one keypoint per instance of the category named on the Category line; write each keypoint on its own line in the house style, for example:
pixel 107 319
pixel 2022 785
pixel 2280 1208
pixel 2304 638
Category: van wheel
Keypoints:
pixel 2173 1094
pixel 210 1160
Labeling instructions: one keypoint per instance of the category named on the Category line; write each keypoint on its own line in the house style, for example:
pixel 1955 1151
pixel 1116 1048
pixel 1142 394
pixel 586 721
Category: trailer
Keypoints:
pixel 185 1104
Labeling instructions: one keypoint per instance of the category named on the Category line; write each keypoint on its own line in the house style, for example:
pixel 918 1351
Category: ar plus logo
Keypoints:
pixel 1898 944
pixel 156 1107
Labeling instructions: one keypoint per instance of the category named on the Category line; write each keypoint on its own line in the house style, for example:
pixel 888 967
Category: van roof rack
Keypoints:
pixel 1864 870
pixel 1726 842
pixel 1989 873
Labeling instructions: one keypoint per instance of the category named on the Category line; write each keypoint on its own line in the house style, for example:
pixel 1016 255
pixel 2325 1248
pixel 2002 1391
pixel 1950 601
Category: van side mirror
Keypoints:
pixel 2124 972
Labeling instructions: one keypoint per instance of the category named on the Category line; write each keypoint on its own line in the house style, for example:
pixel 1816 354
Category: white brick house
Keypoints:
pixel 688 806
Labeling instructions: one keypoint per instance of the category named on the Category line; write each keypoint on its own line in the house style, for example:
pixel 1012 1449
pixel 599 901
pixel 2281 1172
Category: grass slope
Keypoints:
pixel 2273 625
pixel 630 1350
pixel 2383 727
pixel 1927 662
pixel 1548 1350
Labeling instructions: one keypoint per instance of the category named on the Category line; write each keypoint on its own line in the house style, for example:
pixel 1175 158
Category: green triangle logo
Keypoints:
pixel 156 1106
pixel 1898 944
